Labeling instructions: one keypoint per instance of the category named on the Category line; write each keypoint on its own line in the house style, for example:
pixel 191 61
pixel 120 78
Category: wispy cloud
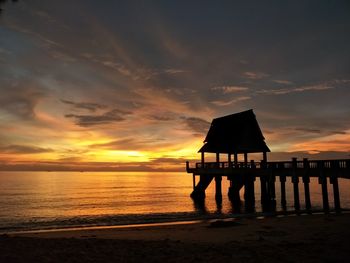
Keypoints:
pixel 283 91
pixel 115 115
pixel 230 102
pixel 20 100
pixel 197 125
pixel 137 73
pixel 229 89
pixel 23 149
pixel 284 82
pixel 85 105
pixel 255 75
pixel 162 117
pixel 122 69
pixel 319 131
pixel 308 130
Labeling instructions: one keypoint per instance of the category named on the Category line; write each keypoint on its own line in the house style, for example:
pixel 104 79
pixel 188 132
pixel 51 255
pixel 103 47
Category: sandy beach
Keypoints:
pixel 309 238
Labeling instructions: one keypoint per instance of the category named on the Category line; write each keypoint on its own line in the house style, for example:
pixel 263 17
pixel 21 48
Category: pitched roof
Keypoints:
pixel 235 133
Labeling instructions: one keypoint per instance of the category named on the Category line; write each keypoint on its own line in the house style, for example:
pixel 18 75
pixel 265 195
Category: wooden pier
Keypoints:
pixel 240 134
pixel 243 174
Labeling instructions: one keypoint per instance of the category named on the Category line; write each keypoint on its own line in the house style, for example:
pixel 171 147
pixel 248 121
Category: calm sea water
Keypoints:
pixel 37 200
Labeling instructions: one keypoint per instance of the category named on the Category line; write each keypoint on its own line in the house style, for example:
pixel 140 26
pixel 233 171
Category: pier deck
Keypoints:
pixel 243 174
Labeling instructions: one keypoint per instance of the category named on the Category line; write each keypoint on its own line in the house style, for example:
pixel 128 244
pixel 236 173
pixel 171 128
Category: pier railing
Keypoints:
pixel 342 167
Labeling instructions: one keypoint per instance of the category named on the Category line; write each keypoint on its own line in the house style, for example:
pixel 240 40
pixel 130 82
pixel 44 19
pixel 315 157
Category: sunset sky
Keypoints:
pixel 134 85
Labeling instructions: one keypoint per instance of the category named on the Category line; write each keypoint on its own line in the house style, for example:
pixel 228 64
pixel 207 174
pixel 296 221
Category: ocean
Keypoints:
pixel 47 200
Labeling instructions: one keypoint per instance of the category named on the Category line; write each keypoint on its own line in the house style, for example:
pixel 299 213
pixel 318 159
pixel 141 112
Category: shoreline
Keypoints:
pixel 311 238
pixel 168 221
pixel 219 222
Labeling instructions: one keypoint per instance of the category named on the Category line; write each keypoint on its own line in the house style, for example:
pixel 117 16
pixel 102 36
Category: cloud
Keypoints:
pixel 115 115
pixel 174 71
pixel 23 149
pixel 85 105
pixel 319 131
pixel 230 89
pixel 283 91
pixel 308 130
pixel 229 102
pixel 162 117
pixel 341 81
pixel 337 132
pixel 197 125
pixel 137 73
pixel 255 75
pixel 284 82
pixel 122 69
pixel 20 99
pixel 150 73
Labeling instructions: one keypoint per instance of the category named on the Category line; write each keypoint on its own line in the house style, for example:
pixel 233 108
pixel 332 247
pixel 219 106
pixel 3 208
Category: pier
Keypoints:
pixel 271 175
pixel 240 135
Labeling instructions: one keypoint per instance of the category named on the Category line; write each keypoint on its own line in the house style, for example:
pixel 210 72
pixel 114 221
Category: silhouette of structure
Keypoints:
pixel 240 133
pixel 232 135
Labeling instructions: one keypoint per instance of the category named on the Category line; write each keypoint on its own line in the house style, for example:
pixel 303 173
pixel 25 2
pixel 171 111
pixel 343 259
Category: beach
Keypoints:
pixel 294 238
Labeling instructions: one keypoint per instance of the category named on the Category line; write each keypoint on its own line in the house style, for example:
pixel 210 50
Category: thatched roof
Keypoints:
pixel 235 133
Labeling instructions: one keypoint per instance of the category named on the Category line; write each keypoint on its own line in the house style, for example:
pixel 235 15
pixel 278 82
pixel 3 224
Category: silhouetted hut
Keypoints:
pixel 235 134
pixel 240 134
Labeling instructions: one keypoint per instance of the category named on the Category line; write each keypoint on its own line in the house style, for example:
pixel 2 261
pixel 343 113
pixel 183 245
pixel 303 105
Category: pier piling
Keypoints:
pixel 249 192
pixel 283 191
pixel 218 191
pixel 295 181
pixel 334 182
pixel 271 184
pixel 306 181
pixel 323 181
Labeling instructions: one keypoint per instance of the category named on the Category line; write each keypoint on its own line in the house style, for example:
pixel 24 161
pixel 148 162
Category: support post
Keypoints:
pixel 229 160
pixel 245 160
pixel 202 159
pixel 236 160
pixel 306 181
pixel 271 183
pixel 295 181
pixel 265 157
pixel 218 191
pixel 283 191
pixel 323 181
pixel 263 189
pixel 264 181
pixel 233 193
pixel 218 160
pixel 246 180
pixel 334 181
pixel 252 164
pixel 249 189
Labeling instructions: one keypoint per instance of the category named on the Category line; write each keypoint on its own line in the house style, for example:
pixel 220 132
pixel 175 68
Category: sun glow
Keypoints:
pixel 119 156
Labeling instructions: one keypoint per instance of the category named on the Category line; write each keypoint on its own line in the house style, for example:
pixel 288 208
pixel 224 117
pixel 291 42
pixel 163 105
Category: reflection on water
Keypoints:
pixel 44 196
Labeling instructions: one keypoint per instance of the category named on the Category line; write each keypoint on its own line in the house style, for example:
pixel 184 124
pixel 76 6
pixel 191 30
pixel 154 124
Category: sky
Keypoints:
pixel 134 85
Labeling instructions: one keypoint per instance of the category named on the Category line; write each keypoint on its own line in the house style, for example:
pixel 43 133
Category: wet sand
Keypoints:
pixel 311 238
